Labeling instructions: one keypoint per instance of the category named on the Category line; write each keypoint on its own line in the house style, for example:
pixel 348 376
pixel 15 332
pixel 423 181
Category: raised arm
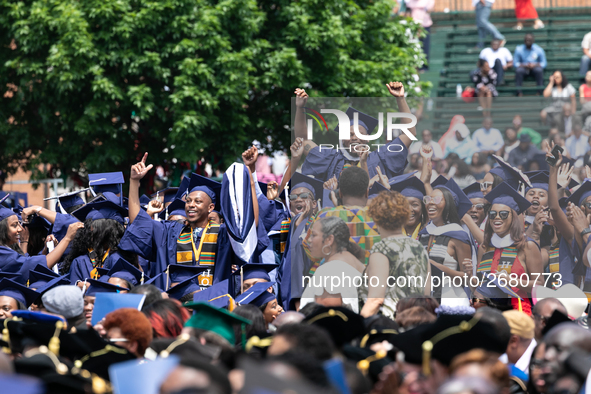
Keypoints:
pixel 396 89
pixel 250 157
pixel 56 254
pixel 300 128
pixel 560 219
pixel 40 211
pixel 138 171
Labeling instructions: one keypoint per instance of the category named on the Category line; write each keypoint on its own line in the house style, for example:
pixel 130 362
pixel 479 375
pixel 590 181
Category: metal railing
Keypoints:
pixel 466 5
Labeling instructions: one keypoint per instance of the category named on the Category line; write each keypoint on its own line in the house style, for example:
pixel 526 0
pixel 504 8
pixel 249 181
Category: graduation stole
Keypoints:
pixel 497 259
pixel 96 264
pixel 553 263
pixel 284 234
pixel 205 253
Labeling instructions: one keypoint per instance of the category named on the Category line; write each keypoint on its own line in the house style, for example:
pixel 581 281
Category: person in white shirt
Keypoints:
pixel 488 140
pixel 498 58
pixel 522 343
pixel 577 144
pixel 427 140
pixel 586 59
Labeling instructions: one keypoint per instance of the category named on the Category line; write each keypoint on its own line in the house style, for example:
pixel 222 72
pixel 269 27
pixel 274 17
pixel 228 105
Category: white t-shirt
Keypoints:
pixel 503 54
pixel 586 44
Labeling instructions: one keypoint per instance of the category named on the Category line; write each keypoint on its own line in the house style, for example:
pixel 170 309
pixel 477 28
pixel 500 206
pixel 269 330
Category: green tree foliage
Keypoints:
pixel 90 85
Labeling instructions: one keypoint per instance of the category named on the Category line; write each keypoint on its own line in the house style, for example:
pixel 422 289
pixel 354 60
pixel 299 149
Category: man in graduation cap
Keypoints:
pixel 328 163
pixel 198 241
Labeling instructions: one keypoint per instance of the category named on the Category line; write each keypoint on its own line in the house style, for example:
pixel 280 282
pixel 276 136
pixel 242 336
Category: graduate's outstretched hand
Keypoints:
pixel 72 229
pixel 250 156
pixel 297 149
pixel 396 89
pixel 154 207
pixel 272 190
pixel 301 97
pixel 565 173
pixel 139 170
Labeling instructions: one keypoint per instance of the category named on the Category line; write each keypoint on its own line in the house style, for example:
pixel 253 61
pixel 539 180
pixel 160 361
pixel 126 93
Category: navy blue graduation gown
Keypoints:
pixel 330 162
pixel 12 261
pixel 157 242
pixel 82 266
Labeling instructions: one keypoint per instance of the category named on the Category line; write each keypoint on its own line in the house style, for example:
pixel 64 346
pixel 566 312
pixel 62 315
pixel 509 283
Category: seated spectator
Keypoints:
pixel 487 139
pixel 563 122
pixel 578 143
pixel 530 59
pixel 498 58
pixel 427 140
pixel 586 58
pixel 414 163
pixel 561 92
pixel 521 156
pixel 511 142
pixel 479 166
pixel 485 83
pixel 460 172
pixel 585 99
pixel 536 138
pixel 462 144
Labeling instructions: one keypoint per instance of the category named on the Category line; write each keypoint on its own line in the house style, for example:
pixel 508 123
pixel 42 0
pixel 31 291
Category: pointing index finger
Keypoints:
pixel 145 158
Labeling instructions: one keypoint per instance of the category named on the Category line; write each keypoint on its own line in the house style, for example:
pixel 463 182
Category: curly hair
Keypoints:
pixel 134 326
pixel 390 210
pixel 167 317
pixel 335 226
pixel 98 235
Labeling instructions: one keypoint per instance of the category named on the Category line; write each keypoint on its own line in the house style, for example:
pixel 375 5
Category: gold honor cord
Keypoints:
pixel 258 342
pixel 363 365
pixel 374 332
pixel 330 313
pixel 183 338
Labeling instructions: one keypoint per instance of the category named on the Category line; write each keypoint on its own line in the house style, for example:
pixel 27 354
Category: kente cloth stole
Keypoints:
pixel 283 234
pixel 96 264
pixel 415 233
pixel 204 254
pixel 495 259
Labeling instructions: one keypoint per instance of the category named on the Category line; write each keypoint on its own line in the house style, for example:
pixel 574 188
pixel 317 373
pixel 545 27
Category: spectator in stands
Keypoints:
pixel 427 140
pixel 561 92
pixel 521 156
pixel 485 83
pixel 558 139
pixel 462 144
pixel 483 9
pixel 564 120
pixel 461 174
pixel 487 139
pixel 536 138
pixel 586 59
pixel 530 59
pixel 419 10
pixel 585 99
pixel 498 58
pixel 511 142
pixel 578 143
pixel 479 166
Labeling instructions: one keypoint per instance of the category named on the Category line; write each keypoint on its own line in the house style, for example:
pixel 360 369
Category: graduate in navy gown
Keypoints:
pixel 328 163
pixel 13 247
pixel 198 241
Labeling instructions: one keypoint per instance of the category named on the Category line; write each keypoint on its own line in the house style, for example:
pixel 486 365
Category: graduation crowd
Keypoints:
pixel 351 276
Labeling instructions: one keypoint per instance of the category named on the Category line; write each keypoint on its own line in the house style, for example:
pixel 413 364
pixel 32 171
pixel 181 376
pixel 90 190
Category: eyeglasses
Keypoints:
pixel 478 300
pixel 478 207
pixel 536 362
pixel 503 214
pixel 435 200
pixel 587 205
pixel 113 340
pixel 303 196
pixel 485 185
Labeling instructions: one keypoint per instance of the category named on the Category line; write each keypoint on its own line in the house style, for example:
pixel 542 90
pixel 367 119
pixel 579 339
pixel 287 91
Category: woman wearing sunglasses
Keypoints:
pixel 449 246
pixel 506 252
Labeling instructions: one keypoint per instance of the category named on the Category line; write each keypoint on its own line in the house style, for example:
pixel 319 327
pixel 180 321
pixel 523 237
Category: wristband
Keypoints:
pixel 38 210
pixel 585 232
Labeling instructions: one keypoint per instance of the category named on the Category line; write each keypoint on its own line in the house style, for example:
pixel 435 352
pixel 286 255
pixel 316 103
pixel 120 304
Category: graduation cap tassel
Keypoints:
pixel 427 348
pixel 6 338
pixel 54 342
pixel 241 278
pixel 363 365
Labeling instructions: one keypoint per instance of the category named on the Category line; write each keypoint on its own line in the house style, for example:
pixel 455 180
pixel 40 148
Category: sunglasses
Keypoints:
pixel 587 205
pixel 303 196
pixel 479 301
pixel 485 185
pixel 478 207
pixel 503 214
pixel 435 200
